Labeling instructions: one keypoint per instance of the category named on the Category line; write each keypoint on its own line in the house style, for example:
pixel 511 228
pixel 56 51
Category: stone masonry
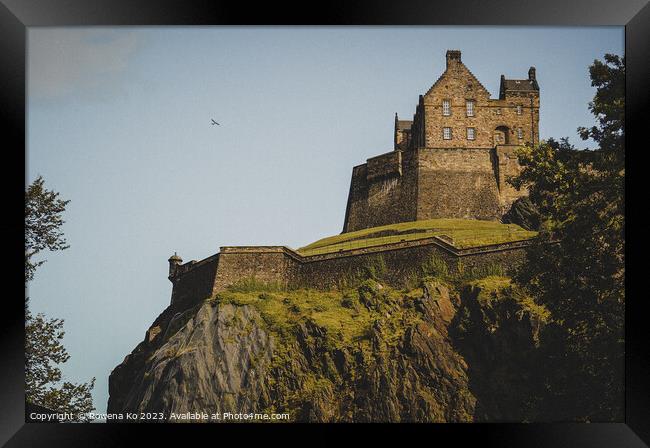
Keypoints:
pixel 195 281
pixel 453 159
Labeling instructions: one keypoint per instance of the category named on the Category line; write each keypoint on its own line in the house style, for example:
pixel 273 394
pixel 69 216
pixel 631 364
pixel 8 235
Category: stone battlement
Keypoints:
pixel 195 281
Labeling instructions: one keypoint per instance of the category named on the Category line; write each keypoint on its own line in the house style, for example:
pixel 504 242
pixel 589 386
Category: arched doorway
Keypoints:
pixel 501 135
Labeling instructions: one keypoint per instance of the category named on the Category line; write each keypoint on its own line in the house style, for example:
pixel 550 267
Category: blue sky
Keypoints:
pixel 119 123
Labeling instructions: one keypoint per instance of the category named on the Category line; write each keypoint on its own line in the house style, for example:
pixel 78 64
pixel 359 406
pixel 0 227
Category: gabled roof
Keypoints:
pixel 468 71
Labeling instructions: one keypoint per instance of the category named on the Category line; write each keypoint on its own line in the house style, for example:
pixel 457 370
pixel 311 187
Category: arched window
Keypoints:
pixel 501 135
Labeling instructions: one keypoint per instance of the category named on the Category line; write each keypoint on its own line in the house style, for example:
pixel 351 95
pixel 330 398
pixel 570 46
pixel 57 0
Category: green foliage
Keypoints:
pixel 435 267
pixel 348 301
pixel 580 279
pixel 438 268
pixel 43 353
pixel 412 280
pixel 368 290
pixel 497 288
pixel 608 106
pixel 283 311
pixel 375 268
pixel 464 275
pixel 43 221
pixel 44 350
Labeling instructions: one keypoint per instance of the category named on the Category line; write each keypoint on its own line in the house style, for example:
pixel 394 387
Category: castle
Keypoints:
pixel 454 158
pixel 451 161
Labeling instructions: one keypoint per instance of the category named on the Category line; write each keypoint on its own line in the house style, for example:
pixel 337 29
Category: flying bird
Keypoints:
pixel 214 122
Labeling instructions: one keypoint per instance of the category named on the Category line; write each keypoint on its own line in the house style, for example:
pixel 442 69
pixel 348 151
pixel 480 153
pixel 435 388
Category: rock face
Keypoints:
pixel 496 330
pixel 223 356
pixel 523 213
pixel 206 364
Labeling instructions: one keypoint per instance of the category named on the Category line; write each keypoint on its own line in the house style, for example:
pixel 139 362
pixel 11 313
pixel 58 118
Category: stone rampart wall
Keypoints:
pixel 281 265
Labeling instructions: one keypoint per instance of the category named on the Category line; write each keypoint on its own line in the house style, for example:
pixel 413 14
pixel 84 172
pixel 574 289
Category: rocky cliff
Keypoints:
pixel 438 352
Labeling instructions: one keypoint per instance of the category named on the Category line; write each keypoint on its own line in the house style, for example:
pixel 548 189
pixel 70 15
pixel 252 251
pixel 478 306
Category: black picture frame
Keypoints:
pixel 17 15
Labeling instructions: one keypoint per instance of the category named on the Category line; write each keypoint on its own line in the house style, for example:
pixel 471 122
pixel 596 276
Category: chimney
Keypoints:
pixel 531 74
pixel 453 56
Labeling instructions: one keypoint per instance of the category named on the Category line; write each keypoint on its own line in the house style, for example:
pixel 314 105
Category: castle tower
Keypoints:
pixel 454 158
pixel 522 95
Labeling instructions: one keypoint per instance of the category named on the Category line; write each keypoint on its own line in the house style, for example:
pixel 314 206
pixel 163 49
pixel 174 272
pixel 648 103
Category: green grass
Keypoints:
pixel 463 233
pixel 496 288
pixel 490 288
pixel 283 311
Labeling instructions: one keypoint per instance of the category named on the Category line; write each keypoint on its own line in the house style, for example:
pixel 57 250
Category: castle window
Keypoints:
pixel 519 110
pixel 446 133
pixel 520 133
pixel 471 133
pixel 469 107
pixel 446 107
pixel 498 111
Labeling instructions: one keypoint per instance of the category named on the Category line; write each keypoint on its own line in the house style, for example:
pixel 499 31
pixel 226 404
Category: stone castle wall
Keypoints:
pixel 278 264
pixel 400 186
pixel 382 191
pixel 195 280
pixel 401 260
pixel 457 183
pixel 507 166
pixel 273 264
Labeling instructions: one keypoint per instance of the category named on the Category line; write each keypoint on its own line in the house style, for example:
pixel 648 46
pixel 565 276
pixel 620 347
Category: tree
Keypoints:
pixel 43 221
pixel 577 271
pixel 43 348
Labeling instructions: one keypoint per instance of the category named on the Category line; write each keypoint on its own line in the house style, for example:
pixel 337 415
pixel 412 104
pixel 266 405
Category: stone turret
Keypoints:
pixel 174 262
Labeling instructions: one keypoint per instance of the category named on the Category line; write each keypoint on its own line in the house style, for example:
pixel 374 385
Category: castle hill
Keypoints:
pixel 326 225
pixel 443 190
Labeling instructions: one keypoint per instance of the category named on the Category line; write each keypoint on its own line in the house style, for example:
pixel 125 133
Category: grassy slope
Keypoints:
pixel 464 233
pixel 283 310
pixel 497 288
pixel 338 311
